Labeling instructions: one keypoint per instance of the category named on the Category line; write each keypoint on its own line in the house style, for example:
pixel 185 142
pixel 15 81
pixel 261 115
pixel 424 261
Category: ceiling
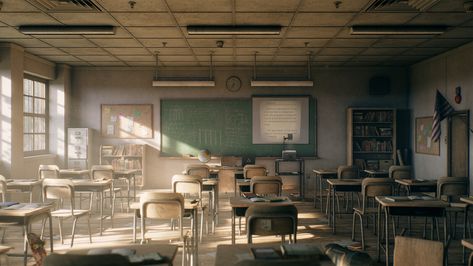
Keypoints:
pixel 308 26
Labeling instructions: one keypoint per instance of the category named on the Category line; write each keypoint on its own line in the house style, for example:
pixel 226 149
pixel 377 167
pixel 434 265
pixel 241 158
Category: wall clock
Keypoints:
pixel 233 83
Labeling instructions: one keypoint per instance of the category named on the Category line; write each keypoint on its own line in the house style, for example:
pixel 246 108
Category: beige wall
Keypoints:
pixel 334 89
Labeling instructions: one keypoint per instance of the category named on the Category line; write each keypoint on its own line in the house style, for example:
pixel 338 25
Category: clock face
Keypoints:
pixel 233 83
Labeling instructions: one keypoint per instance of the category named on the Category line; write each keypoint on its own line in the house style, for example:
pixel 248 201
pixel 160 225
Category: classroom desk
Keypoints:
pixel 240 203
pixel 321 174
pixel 339 185
pixel 242 183
pixel 97 186
pixel 24 185
pixel 28 214
pixel 167 251
pixel 229 255
pixel 74 174
pixel 128 175
pixel 418 186
pixel 211 185
pixel 421 208
pixel 377 173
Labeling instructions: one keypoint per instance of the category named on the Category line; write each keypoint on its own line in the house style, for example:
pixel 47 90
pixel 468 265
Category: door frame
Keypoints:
pixel 449 141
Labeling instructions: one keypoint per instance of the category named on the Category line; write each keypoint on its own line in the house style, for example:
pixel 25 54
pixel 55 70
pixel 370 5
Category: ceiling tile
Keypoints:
pixel 141 64
pixel 116 42
pixel 45 51
pixel 104 63
pixel 61 58
pixel 155 32
pixel 137 58
pixel 331 58
pixel 127 51
pixel 85 51
pixel 329 6
pixel 251 51
pixel 78 18
pixel 168 58
pixel 341 51
pixel 360 64
pixel 26 18
pixel 97 58
pixel 335 43
pixel 312 32
pixel 144 19
pixel 382 18
pixel 327 64
pixel 398 42
pixel 185 19
pixel 448 6
pixel 294 58
pixel 184 63
pixel 450 43
pixel 173 51
pixel 215 58
pixel 425 51
pixel 459 32
pixel 69 42
pixel 30 42
pixel 7 32
pixel 297 51
pixel 371 58
pixel 209 43
pixel 384 51
pixel 140 6
pixel 322 19
pixel 266 5
pixel 217 51
pixel 17 6
pixel 301 42
pixel 119 33
pixel 282 19
pixel 257 42
pixel 200 5
pixel 450 19
pixel 159 42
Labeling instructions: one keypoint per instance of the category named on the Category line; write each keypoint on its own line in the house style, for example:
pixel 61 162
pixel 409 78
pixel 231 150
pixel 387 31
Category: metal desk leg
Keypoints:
pixel 134 227
pixel 321 195
pixel 233 226
pixel 101 211
pixel 378 231
pixel 25 243
pixel 127 194
pixel 51 242
pixel 333 209
pixel 134 187
pixel 315 190
pixel 196 239
pixel 386 217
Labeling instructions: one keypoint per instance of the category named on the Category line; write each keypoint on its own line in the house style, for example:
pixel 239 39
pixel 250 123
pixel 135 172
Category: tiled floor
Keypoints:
pixel 312 228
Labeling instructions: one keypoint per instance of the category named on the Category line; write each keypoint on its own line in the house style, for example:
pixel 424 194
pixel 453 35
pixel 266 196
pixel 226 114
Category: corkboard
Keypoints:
pixel 127 121
pixel 424 143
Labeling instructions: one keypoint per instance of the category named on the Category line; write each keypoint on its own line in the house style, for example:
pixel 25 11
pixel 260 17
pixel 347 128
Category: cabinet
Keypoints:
pixel 291 168
pixel 79 148
pixel 125 157
pixel 371 138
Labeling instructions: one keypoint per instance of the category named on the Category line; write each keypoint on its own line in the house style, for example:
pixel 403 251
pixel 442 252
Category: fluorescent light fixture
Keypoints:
pixel 282 83
pixel 65 30
pixel 183 83
pixel 234 30
pixel 398 30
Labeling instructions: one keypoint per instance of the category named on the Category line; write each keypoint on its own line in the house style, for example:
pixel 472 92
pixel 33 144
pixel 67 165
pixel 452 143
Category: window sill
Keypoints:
pixel 40 156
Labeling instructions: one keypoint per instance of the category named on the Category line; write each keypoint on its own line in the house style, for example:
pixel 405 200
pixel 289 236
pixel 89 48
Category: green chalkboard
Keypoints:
pixel 224 127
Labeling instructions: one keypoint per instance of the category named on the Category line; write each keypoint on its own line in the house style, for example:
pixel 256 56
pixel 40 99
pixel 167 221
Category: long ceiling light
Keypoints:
pixel 397 30
pixel 66 30
pixel 234 30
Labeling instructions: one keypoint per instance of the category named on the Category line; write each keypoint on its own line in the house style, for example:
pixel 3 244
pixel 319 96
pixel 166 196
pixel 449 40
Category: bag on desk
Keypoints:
pixel 342 256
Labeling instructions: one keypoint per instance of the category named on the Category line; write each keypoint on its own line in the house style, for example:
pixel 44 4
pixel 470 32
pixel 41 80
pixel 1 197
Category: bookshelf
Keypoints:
pixel 124 157
pixel 371 138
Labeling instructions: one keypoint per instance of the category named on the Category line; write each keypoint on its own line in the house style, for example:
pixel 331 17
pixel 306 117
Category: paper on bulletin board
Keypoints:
pixel 132 121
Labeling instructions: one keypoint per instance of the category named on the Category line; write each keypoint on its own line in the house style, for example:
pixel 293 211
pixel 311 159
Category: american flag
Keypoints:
pixel 442 110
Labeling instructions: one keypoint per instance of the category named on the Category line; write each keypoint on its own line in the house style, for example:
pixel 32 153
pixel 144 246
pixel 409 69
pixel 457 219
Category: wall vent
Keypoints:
pixel 68 5
pixel 400 5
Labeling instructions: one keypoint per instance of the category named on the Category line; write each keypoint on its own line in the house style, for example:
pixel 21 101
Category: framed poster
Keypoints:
pixel 424 142
pixel 127 121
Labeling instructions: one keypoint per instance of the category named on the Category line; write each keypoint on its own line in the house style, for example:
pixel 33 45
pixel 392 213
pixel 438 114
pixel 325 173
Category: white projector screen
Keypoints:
pixel 276 117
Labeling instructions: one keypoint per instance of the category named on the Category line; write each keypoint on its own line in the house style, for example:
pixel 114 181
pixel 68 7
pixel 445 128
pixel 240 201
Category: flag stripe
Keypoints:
pixel 442 110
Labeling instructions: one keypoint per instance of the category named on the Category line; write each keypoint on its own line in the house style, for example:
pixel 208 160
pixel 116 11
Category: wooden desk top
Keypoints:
pixel 468 243
pixel 344 182
pixel 25 210
pixel 376 172
pixel 240 202
pixel 73 172
pixel 23 182
pixel 416 182
pixel 434 203
pixel 468 200
pixel 325 171
pixel 126 171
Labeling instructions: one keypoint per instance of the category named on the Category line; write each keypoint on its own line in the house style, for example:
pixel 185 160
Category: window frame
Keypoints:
pixel 35 115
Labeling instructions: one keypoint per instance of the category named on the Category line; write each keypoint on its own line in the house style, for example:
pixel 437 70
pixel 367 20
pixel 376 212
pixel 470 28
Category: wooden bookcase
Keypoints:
pixel 371 138
pixel 125 157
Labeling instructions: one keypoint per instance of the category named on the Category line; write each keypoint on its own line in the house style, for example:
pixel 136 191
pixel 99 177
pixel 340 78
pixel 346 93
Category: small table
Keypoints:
pixel 23 215
pixel 377 173
pixel 417 207
pixel 24 185
pixel 321 174
pixel 127 174
pixel 340 185
pixel 418 186
pixel 97 186
pixel 243 204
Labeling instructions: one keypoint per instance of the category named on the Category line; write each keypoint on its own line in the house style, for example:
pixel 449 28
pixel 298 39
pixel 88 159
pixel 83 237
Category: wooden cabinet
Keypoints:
pixel 125 157
pixel 371 138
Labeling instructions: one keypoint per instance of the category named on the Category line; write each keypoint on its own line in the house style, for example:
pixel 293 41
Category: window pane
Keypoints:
pixel 39 106
pixel 27 142
pixel 39 142
pixel 28 104
pixel 28 87
pixel 39 89
pixel 39 125
pixel 28 124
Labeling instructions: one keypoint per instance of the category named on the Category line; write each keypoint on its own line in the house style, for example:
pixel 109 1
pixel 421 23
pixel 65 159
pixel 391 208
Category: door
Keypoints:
pixel 458 144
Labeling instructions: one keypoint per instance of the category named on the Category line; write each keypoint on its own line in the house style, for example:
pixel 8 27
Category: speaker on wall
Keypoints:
pixel 379 85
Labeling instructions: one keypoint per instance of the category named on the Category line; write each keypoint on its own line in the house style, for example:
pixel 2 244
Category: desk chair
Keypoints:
pixel 48 171
pixel 418 252
pixel 226 180
pixel 251 170
pixel 400 172
pixel 344 172
pixel 3 187
pixel 450 189
pixel 190 187
pixel 61 191
pixel 271 220
pixel 201 170
pixel 105 172
pixel 370 188
pixel 266 185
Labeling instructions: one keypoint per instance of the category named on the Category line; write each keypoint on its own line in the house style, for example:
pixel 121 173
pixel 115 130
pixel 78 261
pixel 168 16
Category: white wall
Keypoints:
pixel 444 72
pixel 335 90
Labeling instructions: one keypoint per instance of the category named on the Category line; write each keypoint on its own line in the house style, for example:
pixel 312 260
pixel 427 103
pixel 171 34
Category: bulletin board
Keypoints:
pixel 424 143
pixel 127 121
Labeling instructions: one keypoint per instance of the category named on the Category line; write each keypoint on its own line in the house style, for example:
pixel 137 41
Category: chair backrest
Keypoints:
pixel 283 220
pixel 372 187
pixel 201 170
pixel 188 185
pixel 59 189
pixel 226 180
pixel 251 170
pixel 231 161
pixel 400 172
pixel 48 171
pixel 3 187
pixel 452 186
pixel 266 185
pixel 161 205
pixel 101 172
pixel 414 252
pixel 347 172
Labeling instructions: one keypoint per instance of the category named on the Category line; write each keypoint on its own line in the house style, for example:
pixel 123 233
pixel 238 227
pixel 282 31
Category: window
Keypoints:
pixel 35 116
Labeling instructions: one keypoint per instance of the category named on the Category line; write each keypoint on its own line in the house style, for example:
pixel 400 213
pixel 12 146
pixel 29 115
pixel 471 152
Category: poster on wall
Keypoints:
pixel 127 121
pixel 424 143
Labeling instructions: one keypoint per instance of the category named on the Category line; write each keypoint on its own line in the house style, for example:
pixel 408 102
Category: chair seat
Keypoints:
pixel 371 210
pixel 63 213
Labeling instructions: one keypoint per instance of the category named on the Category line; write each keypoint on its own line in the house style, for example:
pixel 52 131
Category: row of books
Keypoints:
pixel 373 116
pixel 372 131
pixel 373 146
pixel 123 150
pixel 124 163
